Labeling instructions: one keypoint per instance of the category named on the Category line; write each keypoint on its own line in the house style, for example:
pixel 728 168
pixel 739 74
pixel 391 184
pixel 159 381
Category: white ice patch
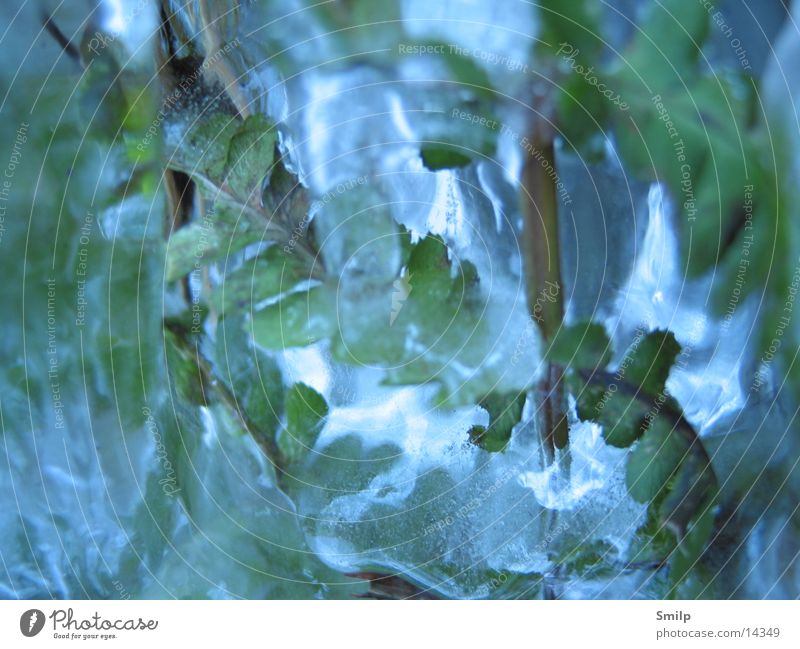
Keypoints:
pixel 592 464
pixel 705 378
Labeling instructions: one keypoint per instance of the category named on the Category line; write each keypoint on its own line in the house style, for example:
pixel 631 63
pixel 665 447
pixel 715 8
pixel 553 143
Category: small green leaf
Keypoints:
pixel 648 361
pixel 581 346
pixel 611 404
pixel 626 401
pixel 252 376
pixel 466 71
pixel 575 23
pixel 429 269
pixel 463 68
pixel 686 568
pixel 505 412
pixel 584 111
pixel 653 542
pixel 285 199
pixel 588 558
pixel 672 34
pixel 620 414
pixel 250 156
pixel 187 249
pixel 477 434
pixel 205 147
pixel 306 412
pixel 271 273
pixel 654 460
pixel 196 245
pixel 442 156
pixel 687 128
pixel 184 372
pixel 297 320
pixel 694 484
pixel 571 41
pixel 228 157
pixel 357 233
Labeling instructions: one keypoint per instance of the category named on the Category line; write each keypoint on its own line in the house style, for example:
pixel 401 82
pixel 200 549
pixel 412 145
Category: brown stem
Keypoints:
pixel 541 251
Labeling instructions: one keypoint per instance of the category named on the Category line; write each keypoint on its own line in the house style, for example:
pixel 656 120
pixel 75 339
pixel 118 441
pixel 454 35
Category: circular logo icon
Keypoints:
pixel 31 622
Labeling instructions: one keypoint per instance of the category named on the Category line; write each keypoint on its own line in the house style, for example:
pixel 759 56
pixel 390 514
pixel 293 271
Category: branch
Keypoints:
pixel 541 250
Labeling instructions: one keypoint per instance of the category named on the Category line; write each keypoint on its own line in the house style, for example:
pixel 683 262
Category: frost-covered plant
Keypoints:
pixel 374 358
pixel 322 271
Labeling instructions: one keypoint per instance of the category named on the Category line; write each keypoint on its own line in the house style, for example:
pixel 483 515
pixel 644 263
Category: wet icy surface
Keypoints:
pixel 394 485
pixel 391 483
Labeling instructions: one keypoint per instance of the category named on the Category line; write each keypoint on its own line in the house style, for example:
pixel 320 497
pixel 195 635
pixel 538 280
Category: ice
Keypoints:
pixel 418 500
pixel 113 486
pixel 498 36
pixel 392 484
pixel 770 561
pixel 591 463
pixel 705 378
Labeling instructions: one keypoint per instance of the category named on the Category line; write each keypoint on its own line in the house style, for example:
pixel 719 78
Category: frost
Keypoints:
pixel 184 500
pixel 658 296
pixel 393 484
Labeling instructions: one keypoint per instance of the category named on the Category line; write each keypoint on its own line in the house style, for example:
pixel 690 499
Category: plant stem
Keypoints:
pixel 540 242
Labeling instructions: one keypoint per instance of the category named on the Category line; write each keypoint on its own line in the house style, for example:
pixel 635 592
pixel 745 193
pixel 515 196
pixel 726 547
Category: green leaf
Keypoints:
pixel 204 148
pixel 297 320
pixel 581 346
pixel 654 460
pixel 186 248
pixel 266 275
pixel 687 128
pixel 429 269
pixel 627 401
pixel 672 35
pixel 250 156
pixel 197 244
pixel 584 111
pixel 462 67
pixel 649 360
pixel 621 414
pixel 443 156
pixel 112 100
pixel 184 372
pixel 306 412
pixel 653 542
pixel 694 484
pixel 285 199
pixel 505 412
pixel 576 23
pixel 572 41
pixel 588 559
pixel 227 157
pixel 357 234
pixel 360 28
pixel 686 571
pixel 469 73
pixel 252 376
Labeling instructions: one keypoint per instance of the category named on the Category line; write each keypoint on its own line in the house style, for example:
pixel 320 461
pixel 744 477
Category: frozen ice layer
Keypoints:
pixel 393 484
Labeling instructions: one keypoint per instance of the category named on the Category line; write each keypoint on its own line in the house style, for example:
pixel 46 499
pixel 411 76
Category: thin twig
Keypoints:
pixel 540 243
